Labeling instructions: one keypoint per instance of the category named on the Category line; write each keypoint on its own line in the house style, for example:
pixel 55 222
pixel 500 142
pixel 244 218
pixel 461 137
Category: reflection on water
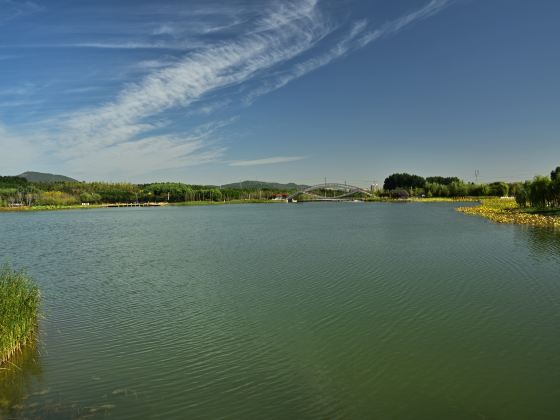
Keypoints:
pixel 23 394
pixel 18 377
pixel 542 241
pixel 311 311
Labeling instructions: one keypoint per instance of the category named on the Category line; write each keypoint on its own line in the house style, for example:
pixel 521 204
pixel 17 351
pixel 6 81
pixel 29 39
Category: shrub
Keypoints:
pixel 57 198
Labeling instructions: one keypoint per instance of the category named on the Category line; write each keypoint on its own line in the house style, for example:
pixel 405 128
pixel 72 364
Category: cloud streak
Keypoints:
pixel 131 134
pixel 359 36
pixel 283 35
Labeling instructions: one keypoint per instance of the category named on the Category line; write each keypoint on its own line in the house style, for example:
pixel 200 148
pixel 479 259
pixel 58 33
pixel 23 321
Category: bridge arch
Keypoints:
pixel 345 191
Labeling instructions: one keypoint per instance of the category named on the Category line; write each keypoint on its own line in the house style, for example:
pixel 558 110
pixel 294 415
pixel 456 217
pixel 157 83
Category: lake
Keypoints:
pixel 319 310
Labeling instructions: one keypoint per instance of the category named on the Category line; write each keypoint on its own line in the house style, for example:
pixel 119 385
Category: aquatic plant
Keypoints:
pixel 508 211
pixel 19 307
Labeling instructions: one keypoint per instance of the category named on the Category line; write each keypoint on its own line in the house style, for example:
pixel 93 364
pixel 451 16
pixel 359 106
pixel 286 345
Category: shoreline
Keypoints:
pixel 132 205
pixel 221 203
pixel 508 212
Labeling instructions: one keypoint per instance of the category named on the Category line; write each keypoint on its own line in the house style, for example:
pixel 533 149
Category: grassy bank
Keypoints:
pixel 99 206
pixel 47 208
pixel 423 199
pixel 507 211
pixel 220 203
pixel 19 307
pixel 247 201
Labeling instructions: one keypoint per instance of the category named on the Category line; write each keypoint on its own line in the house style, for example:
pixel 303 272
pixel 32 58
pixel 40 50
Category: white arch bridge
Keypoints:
pixel 338 192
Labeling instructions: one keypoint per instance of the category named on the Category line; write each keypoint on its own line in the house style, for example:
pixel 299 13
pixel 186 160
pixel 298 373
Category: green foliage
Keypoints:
pixel 539 191
pixel 90 197
pixel 542 192
pixel 403 180
pixel 437 186
pixel 479 190
pixel 499 189
pixel 400 193
pixel 521 194
pixel 442 180
pixel 56 198
pixel 19 192
pixel 555 192
pixel 19 306
pixel 12 182
pixel 458 189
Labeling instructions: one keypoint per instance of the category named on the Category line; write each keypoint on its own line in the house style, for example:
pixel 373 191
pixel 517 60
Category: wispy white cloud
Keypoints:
pixel 190 79
pixel 183 45
pixel 135 158
pixel 267 161
pixel 357 37
pixel 123 135
pixel 82 89
pixel 155 63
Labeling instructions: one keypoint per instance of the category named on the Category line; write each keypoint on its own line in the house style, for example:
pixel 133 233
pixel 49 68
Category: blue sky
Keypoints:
pixel 206 91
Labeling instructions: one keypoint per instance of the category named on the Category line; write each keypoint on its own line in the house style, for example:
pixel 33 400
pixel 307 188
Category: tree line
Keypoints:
pixel 404 185
pixel 16 191
pixel 541 192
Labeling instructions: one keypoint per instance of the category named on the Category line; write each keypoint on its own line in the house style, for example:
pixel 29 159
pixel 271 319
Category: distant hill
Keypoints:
pixel 256 185
pixel 43 177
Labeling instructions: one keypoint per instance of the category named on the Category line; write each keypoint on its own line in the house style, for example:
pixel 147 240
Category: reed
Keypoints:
pixel 19 308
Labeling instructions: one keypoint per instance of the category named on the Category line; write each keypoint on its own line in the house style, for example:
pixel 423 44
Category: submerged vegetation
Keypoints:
pixel 19 307
pixel 536 203
pixel 508 211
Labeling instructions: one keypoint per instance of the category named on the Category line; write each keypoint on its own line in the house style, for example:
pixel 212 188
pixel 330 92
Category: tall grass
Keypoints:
pixel 19 307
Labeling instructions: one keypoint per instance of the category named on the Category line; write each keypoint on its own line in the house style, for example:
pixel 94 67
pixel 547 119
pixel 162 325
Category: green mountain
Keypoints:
pixel 43 177
pixel 261 185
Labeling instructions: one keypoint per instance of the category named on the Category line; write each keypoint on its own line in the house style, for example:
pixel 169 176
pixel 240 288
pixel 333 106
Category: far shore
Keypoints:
pixel 499 210
pixel 219 203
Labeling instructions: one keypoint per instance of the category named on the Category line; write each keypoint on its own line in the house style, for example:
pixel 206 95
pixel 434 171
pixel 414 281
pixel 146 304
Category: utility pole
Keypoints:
pixel 476 173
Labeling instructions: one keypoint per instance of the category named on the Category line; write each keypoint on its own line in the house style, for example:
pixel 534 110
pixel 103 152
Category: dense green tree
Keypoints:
pixel 555 192
pixel 404 180
pixel 540 192
pixel 479 190
pixel 458 189
pixel 500 189
pixel 56 198
pixel 400 193
pixel 442 180
pixel 13 182
pixel 521 194
pixel 90 197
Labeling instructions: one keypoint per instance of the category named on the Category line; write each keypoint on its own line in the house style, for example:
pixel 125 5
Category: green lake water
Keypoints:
pixel 320 311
